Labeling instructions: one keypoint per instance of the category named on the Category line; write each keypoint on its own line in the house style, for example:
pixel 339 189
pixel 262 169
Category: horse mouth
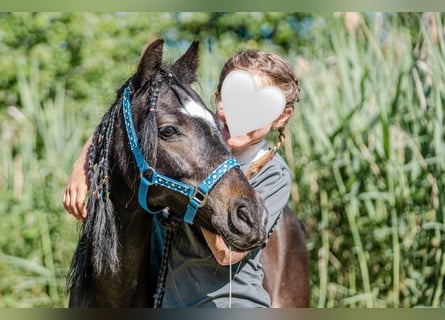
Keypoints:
pixel 242 228
pixel 240 245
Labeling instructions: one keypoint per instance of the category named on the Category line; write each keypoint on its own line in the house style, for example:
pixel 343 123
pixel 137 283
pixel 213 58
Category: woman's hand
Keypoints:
pixel 219 249
pixel 76 189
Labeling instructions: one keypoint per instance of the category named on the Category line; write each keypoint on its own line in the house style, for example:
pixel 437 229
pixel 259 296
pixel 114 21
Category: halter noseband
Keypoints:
pixel 197 195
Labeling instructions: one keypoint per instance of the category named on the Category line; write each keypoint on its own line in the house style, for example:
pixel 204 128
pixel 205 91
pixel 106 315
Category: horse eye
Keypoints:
pixel 168 131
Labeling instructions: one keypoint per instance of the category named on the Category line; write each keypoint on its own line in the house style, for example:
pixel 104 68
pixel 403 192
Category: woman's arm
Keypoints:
pixel 77 187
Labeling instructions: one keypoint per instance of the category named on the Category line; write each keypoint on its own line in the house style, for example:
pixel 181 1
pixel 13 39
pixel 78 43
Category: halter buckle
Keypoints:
pixel 200 196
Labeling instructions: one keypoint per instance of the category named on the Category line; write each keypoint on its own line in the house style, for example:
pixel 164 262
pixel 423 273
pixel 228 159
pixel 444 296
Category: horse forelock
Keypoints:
pixel 188 102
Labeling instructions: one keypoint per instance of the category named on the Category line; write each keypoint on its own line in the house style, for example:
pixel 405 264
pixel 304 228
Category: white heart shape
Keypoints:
pixel 246 108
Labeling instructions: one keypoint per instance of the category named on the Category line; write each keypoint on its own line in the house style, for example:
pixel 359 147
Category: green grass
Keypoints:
pixel 366 145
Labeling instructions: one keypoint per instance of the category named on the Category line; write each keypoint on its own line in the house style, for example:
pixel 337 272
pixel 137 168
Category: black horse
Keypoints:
pixel 158 132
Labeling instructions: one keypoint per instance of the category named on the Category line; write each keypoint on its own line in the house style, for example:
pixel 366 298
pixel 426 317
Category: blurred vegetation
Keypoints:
pixel 366 142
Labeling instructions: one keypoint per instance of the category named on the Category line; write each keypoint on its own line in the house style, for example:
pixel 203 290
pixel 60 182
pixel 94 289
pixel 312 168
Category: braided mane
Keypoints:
pixel 99 232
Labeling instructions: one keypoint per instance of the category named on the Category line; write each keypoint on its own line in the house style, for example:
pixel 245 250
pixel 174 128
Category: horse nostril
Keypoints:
pixel 242 218
pixel 244 215
pixel 247 224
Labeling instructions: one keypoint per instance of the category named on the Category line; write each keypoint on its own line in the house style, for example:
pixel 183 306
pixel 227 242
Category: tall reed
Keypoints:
pixel 38 140
pixel 368 144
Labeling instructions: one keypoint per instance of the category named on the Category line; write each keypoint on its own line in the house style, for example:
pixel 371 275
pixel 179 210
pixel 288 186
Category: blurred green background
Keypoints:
pixel 366 143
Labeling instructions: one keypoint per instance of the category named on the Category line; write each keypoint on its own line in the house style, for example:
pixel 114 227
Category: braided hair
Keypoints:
pixel 100 229
pixel 261 162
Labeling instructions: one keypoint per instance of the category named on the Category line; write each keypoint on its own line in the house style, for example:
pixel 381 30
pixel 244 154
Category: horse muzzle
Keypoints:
pixel 246 225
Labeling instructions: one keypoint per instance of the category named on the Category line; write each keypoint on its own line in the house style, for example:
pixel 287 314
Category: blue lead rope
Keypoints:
pixel 197 195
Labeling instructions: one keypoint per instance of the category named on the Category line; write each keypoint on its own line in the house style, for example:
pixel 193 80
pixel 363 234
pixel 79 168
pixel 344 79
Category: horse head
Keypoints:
pixel 188 146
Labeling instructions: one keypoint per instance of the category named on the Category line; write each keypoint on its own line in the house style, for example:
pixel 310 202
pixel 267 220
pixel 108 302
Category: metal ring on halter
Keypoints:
pixel 149 174
pixel 200 197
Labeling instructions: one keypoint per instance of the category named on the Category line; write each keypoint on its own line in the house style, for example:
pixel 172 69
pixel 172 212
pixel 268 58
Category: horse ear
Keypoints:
pixel 185 67
pixel 150 62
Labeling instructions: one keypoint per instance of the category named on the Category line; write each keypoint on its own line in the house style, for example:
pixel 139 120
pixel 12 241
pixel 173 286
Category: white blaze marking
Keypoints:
pixel 198 111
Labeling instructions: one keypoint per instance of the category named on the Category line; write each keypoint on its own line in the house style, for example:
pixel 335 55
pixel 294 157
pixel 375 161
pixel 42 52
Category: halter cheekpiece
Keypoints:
pixel 148 176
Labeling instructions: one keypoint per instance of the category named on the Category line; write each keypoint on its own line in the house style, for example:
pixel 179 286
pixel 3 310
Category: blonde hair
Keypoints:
pixel 278 73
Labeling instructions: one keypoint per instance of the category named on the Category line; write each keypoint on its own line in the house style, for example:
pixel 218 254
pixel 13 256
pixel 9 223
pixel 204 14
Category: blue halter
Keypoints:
pixel 197 195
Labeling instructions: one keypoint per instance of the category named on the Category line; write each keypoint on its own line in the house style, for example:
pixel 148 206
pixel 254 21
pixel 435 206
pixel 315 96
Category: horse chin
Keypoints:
pixel 232 245
pixel 236 242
